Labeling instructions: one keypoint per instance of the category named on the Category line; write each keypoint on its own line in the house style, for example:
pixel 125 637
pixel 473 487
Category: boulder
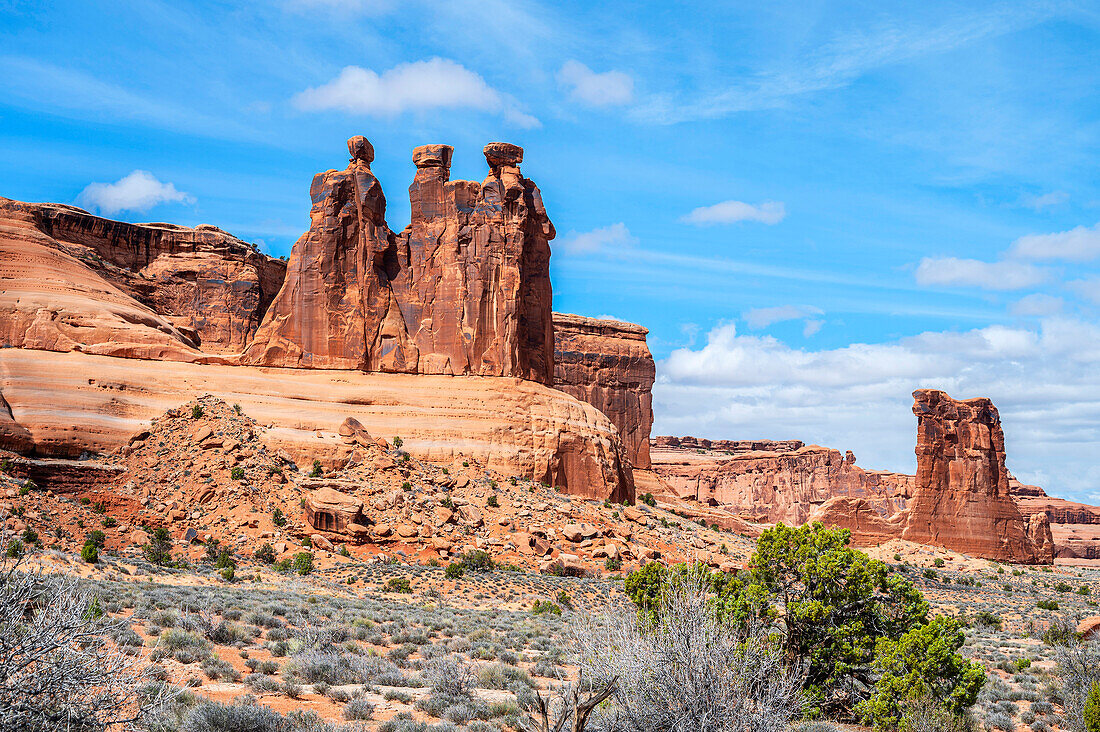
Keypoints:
pixel 328 509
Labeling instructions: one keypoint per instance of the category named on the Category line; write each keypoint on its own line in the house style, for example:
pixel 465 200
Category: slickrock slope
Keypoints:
pixel 962 500
pixel 74 281
pixel 607 364
pixel 71 402
pixel 465 290
pixel 772 486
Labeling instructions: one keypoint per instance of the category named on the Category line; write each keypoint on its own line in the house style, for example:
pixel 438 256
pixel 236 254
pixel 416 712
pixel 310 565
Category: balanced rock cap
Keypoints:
pixel 361 149
pixel 433 156
pixel 503 153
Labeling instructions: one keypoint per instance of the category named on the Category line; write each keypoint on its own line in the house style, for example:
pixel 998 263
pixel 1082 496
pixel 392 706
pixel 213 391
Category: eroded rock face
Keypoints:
pixel 781 485
pixel 71 402
pixel 464 290
pixel 1074 526
pixel 608 364
pixel 734 446
pixel 962 501
pixel 74 281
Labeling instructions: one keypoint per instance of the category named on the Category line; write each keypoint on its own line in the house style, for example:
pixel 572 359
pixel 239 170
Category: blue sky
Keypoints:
pixel 814 207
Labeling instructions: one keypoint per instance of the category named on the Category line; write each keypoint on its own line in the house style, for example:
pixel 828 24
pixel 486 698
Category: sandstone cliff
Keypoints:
pixel 1075 527
pixel 74 281
pixel 607 364
pixel 781 485
pixel 962 500
pixel 464 290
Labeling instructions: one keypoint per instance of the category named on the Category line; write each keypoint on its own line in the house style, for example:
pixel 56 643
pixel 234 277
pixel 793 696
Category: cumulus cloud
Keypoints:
pixel 1079 244
pixel 1044 379
pixel 758 318
pixel 730 212
pixel 606 89
pixel 954 272
pixel 139 191
pixel 607 237
pixel 1046 200
pixel 437 83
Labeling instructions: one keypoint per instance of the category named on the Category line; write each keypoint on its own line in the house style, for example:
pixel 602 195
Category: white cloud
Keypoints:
pixel 594 89
pixel 614 236
pixel 139 191
pixel 1045 381
pixel 812 328
pixel 437 83
pixel 950 271
pixel 1046 200
pixel 1037 304
pixel 1079 244
pixel 729 212
pixel 758 318
pixel 1088 288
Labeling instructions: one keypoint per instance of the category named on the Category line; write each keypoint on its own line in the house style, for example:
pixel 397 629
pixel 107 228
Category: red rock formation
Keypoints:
pixel 962 500
pixel 607 364
pixel 464 290
pixel 734 446
pixel 769 487
pixel 74 281
pixel 72 402
pixel 1074 526
pixel 862 517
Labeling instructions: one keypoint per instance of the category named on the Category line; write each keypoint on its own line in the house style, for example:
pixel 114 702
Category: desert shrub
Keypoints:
pixel 158 550
pixel 1090 714
pixel 58 669
pixel 89 553
pixel 278 518
pixel 449 675
pixel 317 470
pixel 648 499
pixel 265 554
pixel 1079 668
pixel 454 570
pixel 196 411
pixel 399 584
pixel 923 664
pixel 303 563
pixel 359 709
pixel 477 560
pixel 237 473
pixel 691 667
pixel 613 564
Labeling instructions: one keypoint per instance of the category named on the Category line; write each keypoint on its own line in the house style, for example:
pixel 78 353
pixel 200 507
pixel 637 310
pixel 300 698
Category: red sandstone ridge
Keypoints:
pixel 608 364
pixel 962 500
pixel 1075 526
pixel 74 281
pixel 732 446
pixel 777 484
pixel 464 290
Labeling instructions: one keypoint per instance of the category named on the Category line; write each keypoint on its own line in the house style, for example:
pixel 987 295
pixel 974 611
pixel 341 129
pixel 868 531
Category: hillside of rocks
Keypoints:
pixel 208 470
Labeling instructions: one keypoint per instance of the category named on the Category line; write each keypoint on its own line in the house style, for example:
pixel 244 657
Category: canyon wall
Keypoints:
pixel 68 403
pixel 608 364
pixel 778 485
pixel 1074 526
pixel 464 290
pixel 74 281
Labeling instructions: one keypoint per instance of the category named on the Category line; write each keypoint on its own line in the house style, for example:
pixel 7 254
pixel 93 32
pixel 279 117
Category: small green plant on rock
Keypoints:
pixel 196 412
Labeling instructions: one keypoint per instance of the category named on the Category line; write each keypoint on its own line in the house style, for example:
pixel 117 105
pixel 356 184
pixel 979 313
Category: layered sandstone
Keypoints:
pixel 71 402
pixel 733 446
pixel 1074 526
pixel 464 290
pixel 608 364
pixel 74 281
pixel 782 485
pixel 962 500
